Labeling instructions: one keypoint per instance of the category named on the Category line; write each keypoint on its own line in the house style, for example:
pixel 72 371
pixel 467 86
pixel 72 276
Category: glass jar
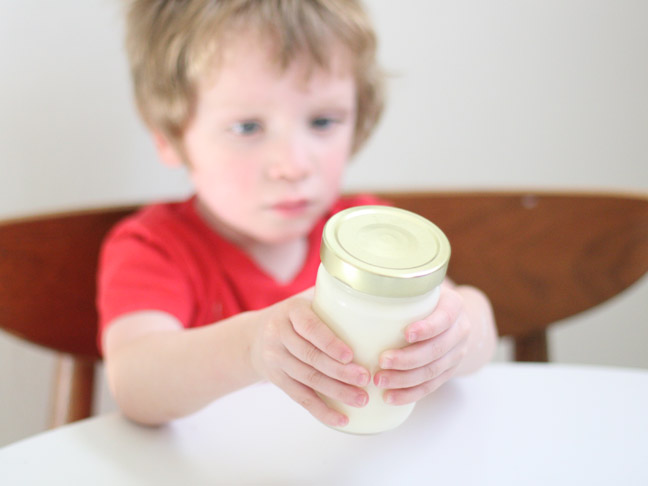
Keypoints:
pixel 381 270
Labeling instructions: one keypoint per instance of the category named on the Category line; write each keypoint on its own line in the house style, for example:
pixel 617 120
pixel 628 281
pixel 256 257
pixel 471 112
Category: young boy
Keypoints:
pixel 264 101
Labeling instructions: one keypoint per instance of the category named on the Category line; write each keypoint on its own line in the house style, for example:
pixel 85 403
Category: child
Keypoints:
pixel 264 101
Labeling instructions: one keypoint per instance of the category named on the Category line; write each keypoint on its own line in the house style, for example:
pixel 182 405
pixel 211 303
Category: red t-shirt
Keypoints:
pixel 166 258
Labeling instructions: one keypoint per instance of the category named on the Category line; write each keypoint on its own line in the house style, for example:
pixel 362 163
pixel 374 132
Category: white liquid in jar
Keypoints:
pixel 381 270
pixel 369 324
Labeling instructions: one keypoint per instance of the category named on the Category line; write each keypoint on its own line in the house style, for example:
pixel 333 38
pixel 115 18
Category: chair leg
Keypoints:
pixel 532 347
pixel 73 390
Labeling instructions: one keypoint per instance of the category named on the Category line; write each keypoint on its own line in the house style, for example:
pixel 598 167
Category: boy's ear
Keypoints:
pixel 166 150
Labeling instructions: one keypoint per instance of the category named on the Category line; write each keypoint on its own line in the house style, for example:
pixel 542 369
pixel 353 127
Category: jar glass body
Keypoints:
pixel 369 324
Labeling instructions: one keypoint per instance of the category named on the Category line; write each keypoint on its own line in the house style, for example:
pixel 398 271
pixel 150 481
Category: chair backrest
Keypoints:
pixel 47 297
pixel 539 257
pixel 47 278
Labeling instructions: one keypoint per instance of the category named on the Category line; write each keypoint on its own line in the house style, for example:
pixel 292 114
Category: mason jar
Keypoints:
pixel 381 270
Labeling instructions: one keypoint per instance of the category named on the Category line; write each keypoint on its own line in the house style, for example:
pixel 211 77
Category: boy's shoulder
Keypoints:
pixel 156 220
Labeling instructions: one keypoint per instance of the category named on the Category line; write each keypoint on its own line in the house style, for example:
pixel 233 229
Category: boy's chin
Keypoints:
pixel 286 233
pixel 283 238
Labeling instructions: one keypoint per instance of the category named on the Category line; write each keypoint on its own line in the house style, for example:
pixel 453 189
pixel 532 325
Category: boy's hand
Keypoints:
pixel 296 351
pixel 437 346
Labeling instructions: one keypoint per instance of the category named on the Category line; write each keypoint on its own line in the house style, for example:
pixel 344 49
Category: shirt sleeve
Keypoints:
pixel 136 274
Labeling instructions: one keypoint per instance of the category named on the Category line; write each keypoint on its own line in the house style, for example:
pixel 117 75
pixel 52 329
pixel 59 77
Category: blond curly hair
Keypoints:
pixel 172 44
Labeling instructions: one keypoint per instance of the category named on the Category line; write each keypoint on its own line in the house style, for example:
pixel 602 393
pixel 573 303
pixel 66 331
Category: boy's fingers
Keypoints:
pixel 309 326
pixel 308 399
pixel 350 373
pixel 444 315
pixel 424 352
pixel 325 385
pixel 406 379
pixel 409 395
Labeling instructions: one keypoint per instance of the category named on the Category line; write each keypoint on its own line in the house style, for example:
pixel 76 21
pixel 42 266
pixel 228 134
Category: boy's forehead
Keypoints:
pixel 251 77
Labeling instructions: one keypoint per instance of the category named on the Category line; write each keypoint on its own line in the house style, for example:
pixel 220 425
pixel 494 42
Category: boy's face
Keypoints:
pixel 267 148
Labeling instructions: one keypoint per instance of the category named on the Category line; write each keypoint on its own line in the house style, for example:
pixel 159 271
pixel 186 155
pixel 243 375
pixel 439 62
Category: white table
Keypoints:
pixel 510 424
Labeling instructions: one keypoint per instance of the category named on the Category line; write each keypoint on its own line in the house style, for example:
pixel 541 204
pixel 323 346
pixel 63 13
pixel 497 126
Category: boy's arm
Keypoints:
pixel 482 338
pixel 159 371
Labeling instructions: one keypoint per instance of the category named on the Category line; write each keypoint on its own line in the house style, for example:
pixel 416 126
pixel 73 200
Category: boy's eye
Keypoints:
pixel 248 127
pixel 322 123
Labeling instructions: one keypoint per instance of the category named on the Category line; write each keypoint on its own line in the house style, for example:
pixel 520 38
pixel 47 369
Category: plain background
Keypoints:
pixel 484 95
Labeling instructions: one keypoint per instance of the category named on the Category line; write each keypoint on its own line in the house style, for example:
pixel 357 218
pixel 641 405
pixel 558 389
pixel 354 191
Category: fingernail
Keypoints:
pixel 362 379
pixel 415 330
pixel 346 357
pixel 386 362
pixel 380 381
pixel 361 400
pixel 388 398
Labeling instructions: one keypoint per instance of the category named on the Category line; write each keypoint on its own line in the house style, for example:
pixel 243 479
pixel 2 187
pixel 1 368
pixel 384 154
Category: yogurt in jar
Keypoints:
pixel 381 270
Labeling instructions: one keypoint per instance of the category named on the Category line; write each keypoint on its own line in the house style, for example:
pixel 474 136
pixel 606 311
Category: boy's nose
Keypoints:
pixel 290 161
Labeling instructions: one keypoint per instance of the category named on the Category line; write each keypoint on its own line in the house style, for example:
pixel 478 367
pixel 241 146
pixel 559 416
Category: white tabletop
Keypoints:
pixel 508 424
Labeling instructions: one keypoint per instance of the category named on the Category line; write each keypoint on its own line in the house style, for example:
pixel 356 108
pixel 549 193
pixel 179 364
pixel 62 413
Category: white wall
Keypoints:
pixel 517 93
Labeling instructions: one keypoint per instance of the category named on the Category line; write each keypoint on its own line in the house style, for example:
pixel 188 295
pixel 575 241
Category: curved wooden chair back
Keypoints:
pixel 539 257
pixel 47 297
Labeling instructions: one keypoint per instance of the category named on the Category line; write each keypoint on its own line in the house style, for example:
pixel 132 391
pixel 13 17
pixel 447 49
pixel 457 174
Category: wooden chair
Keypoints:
pixel 47 297
pixel 540 257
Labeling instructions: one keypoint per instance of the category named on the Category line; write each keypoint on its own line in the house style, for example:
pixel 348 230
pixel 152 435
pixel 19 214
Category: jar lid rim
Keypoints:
pixel 385 251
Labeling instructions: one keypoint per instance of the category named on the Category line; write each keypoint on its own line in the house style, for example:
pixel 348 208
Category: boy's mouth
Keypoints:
pixel 294 207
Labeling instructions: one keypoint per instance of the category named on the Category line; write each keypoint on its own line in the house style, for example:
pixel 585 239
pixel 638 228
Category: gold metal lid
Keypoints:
pixel 385 251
